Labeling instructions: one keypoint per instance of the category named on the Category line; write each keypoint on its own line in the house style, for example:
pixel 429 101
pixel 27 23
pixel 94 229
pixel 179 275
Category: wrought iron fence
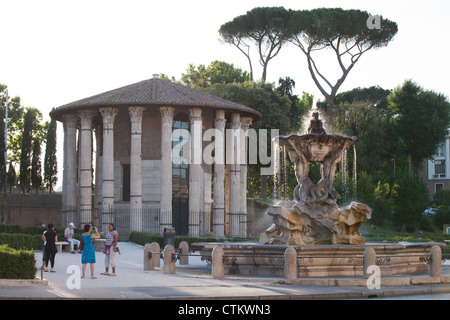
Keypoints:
pixel 126 219
pixel 151 219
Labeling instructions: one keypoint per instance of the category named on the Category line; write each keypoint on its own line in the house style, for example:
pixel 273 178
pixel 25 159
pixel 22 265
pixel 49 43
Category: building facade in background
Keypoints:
pixel 436 171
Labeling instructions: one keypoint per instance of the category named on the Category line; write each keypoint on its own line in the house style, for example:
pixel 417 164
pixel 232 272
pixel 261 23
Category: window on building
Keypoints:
pixel 441 150
pixel 438 186
pixel 439 168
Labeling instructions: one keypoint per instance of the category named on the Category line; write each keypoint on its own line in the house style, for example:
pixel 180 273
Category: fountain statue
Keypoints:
pixel 314 217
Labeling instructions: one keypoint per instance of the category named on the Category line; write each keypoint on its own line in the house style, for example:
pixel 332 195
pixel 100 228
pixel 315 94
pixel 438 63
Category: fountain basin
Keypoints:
pixel 252 259
pixel 316 147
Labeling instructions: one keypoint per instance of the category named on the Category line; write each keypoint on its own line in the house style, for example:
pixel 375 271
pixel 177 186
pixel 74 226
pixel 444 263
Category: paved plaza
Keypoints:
pixel 191 282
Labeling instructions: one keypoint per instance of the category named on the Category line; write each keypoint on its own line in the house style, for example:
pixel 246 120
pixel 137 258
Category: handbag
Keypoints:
pixel 107 248
pixel 80 247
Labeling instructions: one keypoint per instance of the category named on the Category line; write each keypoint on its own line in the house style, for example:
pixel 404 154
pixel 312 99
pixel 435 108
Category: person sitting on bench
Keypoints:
pixel 68 234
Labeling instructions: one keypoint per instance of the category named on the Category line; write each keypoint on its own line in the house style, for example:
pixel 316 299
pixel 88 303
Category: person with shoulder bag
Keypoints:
pixel 110 250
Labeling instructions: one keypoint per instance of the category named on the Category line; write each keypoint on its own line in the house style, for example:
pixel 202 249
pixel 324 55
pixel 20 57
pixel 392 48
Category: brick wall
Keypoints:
pixel 32 209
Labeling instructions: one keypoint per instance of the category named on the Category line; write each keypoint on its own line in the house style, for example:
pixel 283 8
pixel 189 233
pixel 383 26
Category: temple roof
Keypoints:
pixel 154 92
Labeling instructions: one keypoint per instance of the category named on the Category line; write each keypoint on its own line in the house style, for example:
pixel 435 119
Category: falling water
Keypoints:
pixel 285 168
pixel 276 169
pixel 355 175
pixel 344 175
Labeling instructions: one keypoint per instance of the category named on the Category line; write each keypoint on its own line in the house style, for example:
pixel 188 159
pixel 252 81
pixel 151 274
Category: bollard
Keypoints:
pixel 184 253
pixel 436 257
pixel 217 263
pixel 369 260
pixel 151 256
pixel 169 263
pixel 147 257
pixel 290 264
pixel 156 254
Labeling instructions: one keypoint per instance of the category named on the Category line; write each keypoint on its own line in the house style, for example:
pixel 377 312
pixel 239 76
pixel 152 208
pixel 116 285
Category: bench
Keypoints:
pixel 60 244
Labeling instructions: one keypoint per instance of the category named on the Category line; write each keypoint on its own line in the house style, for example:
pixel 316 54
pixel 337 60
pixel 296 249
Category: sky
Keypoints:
pixel 54 52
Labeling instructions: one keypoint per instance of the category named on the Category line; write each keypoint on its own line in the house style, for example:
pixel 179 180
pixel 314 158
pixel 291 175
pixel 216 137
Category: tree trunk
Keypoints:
pixel 329 113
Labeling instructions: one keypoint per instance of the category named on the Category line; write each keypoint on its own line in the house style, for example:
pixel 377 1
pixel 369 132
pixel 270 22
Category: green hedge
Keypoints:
pixel 16 264
pixel 22 241
pixel 33 230
pixel 29 237
pixel 142 238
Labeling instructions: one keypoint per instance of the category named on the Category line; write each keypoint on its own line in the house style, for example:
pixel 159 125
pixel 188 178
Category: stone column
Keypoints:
pixel 86 117
pixel 219 176
pixel 135 168
pixel 64 189
pixel 70 182
pixel 195 171
pixel 167 114
pixel 98 168
pixel 108 115
pixel 245 124
pixel 233 145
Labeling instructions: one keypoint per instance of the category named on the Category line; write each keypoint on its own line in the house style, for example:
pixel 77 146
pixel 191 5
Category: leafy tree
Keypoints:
pixel 409 200
pixel 50 163
pixel 345 33
pixel 36 176
pixel 441 200
pixel 363 112
pixel 381 206
pixel 16 115
pixel 2 157
pixel 421 118
pixel 264 27
pixel 263 98
pixel 215 72
pixel 376 95
pixel 299 107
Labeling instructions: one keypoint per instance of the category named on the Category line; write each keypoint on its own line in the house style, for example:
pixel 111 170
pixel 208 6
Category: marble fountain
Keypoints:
pixel 325 236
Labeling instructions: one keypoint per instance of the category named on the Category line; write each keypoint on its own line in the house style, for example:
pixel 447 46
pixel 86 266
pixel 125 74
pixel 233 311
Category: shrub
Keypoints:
pixel 16 264
pixel 11 228
pixel 442 216
pixel 22 241
pixel 142 238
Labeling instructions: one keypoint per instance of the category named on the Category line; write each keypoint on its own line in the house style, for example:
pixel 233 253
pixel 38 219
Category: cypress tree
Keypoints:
pixel 50 164
pixel 36 176
pixel 11 176
pixel 25 155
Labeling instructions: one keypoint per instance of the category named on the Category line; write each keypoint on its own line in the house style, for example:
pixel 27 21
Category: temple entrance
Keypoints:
pixel 180 174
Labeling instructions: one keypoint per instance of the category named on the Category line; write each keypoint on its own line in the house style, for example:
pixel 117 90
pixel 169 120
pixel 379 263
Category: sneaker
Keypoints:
pixel 72 252
pixel 79 251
